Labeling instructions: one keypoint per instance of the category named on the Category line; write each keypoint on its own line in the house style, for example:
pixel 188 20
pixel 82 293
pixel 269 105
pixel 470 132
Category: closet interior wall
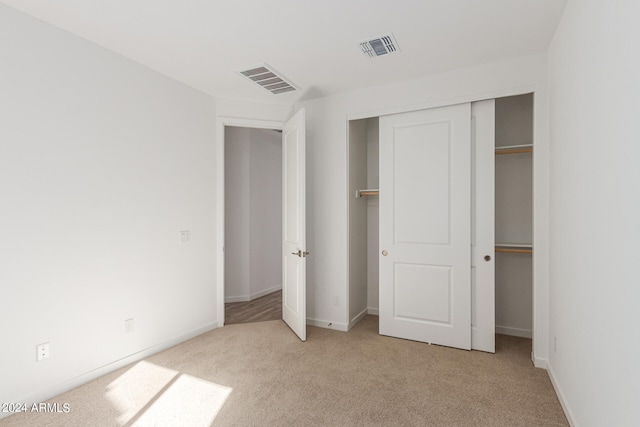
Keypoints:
pixel 514 216
pixel 363 219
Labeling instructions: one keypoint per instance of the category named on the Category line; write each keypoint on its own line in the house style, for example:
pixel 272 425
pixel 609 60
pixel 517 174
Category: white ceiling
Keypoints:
pixel 203 43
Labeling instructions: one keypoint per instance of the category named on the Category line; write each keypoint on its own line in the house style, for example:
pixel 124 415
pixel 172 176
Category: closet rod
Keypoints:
pixel 514 251
pixel 363 193
pixel 514 150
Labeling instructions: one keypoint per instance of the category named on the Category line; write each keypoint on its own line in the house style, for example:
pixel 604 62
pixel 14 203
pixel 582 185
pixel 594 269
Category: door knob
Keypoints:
pixel 300 253
pixel 487 258
pixel 385 253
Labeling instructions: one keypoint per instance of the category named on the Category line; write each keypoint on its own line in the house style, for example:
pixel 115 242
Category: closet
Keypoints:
pixel 514 215
pixel 363 218
pixel 510 121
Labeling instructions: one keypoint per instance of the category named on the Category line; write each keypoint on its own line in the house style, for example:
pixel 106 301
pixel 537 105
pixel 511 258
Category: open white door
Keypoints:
pixel 294 283
pixel 483 317
pixel 425 260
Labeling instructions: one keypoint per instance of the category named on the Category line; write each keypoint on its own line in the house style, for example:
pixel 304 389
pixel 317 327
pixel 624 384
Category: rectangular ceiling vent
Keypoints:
pixel 267 78
pixel 380 46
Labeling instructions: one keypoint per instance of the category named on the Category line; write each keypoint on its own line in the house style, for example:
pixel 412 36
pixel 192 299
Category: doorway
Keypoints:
pixel 293 215
pixel 253 224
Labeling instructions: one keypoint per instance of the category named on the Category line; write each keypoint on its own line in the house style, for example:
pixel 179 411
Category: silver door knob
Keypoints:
pixel 299 253
pixel 385 253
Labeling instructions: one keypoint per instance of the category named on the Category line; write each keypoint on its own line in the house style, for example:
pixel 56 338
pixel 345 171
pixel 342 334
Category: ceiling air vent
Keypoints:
pixel 379 46
pixel 269 79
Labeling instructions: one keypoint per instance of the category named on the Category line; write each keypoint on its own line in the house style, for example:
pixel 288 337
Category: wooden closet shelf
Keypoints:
pixel 369 192
pixel 514 149
pixel 512 250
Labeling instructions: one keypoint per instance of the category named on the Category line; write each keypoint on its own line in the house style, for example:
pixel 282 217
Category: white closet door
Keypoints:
pixel 425 184
pixel 294 284
pixel 483 317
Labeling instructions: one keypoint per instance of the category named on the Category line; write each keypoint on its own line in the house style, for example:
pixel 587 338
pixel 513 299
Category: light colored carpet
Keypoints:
pixel 260 374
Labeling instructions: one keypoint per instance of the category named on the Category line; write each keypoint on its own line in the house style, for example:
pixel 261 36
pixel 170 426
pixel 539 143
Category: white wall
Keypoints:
pixel 253 213
pixel 103 162
pixel 513 294
pixel 327 182
pixel 266 212
pixel 237 204
pixel 595 211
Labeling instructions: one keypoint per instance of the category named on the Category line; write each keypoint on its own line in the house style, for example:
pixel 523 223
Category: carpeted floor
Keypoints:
pixel 260 374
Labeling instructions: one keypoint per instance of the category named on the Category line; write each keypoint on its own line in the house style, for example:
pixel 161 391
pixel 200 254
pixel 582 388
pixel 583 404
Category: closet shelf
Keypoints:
pixel 513 245
pixel 367 192
pixel 514 248
pixel 514 149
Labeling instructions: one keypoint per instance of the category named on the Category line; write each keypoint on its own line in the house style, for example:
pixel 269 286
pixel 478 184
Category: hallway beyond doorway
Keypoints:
pixel 268 307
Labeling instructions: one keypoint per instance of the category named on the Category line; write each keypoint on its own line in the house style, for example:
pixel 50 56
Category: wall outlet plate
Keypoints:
pixel 128 326
pixel 42 351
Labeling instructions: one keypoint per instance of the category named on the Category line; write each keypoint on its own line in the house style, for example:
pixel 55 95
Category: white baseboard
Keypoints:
pixel 55 390
pixel 358 318
pixel 245 298
pixel 539 362
pixel 514 332
pixel 373 311
pixel 561 397
pixel 327 324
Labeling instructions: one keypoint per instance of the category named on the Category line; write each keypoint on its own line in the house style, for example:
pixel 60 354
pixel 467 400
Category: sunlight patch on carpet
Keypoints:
pixel 189 401
pixel 136 388
pixel 148 394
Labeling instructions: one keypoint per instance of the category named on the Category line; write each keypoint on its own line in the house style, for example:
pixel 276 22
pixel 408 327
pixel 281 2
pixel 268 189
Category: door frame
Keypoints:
pixel 220 193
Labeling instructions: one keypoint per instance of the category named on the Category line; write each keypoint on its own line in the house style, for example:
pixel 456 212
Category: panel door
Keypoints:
pixel 294 284
pixel 425 259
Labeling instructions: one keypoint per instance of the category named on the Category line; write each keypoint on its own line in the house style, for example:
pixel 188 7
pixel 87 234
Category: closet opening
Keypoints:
pixel 510 158
pixel 363 205
pixel 514 215
pixel 253 224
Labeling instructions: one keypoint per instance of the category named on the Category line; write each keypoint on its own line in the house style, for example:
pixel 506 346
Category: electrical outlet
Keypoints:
pixel 128 326
pixel 336 300
pixel 42 351
pixel 185 236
